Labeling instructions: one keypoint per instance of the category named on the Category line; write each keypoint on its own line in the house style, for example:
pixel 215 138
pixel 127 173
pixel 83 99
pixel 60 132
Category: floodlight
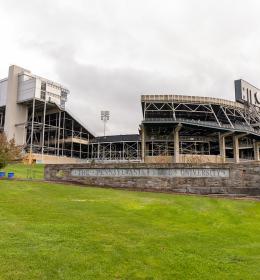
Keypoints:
pixel 105 115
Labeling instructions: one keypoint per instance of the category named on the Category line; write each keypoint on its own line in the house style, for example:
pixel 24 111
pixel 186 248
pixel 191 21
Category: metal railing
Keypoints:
pixel 236 126
pixel 192 99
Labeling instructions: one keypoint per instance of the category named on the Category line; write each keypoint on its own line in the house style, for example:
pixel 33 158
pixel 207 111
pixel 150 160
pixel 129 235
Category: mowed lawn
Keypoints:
pixel 53 231
pixel 23 171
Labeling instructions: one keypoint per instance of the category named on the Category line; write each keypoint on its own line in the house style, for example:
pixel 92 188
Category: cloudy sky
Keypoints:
pixel 109 52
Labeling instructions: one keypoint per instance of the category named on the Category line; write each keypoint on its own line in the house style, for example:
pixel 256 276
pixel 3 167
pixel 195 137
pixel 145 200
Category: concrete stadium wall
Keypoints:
pixel 186 158
pixel 158 159
pixel 242 179
pixel 50 159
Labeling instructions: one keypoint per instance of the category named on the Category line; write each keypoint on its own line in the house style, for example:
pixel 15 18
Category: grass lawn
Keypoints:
pixel 52 231
pixel 23 171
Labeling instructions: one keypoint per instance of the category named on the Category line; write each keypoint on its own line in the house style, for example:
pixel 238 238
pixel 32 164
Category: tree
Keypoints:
pixel 8 151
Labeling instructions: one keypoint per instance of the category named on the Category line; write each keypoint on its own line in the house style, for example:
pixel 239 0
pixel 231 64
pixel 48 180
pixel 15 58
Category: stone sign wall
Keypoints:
pixel 151 172
pixel 232 179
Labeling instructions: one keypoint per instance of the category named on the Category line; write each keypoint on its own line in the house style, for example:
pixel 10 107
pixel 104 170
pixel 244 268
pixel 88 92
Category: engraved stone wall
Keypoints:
pixel 234 179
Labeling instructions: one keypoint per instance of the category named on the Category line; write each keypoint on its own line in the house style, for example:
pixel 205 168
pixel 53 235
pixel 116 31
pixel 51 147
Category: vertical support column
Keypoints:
pixel 98 151
pixel 80 149
pixel 123 151
pixel 256 151
pixel 88 146
pixel 63 133
pixel 43 127
pixel 176 157
pixel 49 127
pixel 222 147
pixel 236 148
pixel 137 150
pixel 58 150
pixel 55 139
pixel 143 142
pixel 15 113
pixel 32 128
pixel 72 134
pixel 103 151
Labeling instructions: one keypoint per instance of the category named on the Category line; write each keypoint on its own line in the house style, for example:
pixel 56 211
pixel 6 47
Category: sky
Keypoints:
pixel 109 53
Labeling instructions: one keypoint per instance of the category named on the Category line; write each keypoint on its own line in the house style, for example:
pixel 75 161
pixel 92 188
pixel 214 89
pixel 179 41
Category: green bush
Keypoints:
pixel 9 152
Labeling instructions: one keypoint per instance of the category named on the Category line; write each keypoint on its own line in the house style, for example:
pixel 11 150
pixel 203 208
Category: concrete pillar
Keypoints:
pixel 58 150
pixel 256 151
pixel 176 157
pixel 43 129
pixel 15 113
pixel 236 148
pixel 72 135
pixel 222 143
pixel 143 142
pixel 222 147
pixel 98 151
pixel 32 129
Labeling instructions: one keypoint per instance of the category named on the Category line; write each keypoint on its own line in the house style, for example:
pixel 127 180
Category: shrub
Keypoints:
pixel 9 152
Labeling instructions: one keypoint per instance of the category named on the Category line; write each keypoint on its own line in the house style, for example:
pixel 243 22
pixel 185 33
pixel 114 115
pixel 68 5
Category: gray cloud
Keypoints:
pixel 110 52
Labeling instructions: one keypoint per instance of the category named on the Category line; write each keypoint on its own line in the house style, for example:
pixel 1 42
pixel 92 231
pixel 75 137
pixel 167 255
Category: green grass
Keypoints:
pixel 52 231
pixel 23 171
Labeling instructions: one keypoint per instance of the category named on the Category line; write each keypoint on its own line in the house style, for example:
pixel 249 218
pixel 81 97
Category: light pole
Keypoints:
pixel 105 117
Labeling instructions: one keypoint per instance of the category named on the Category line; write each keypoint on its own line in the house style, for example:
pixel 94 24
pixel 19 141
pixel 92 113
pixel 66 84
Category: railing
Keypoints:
pixel 192 99
pixel 169 138
pixel 239 127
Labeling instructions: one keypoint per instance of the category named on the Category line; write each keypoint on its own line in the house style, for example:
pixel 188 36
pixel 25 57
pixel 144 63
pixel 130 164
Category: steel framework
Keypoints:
pixel 116 151
pixel 54 131
pixel 203 121
pixel 231 116
pixel 51 130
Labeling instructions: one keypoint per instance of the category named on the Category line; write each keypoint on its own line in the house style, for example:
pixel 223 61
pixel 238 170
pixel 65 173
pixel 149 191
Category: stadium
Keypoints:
pixel 174 129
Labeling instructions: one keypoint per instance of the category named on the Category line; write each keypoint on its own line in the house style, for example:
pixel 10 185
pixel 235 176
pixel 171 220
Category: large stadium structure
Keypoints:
pixel 33 112
pixel 189 128
pixel 175 128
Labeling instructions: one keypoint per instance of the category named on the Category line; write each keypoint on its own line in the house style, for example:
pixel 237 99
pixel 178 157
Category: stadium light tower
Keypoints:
pixel 105 117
